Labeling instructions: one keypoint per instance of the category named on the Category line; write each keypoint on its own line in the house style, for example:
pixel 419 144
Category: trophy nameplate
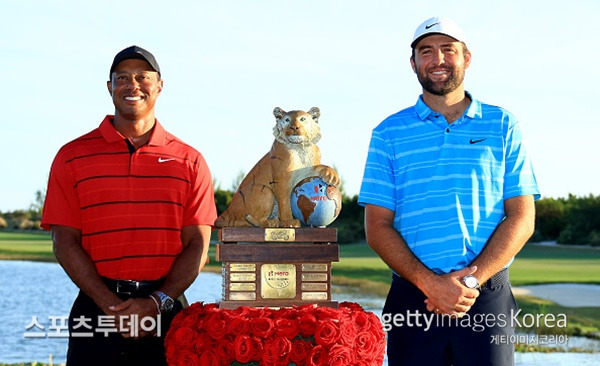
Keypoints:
pixel 314 267
pixel 242 267
pixel 277 267
pixel 242 286
pixel 314 277
pixel 278 234
pixel 278 281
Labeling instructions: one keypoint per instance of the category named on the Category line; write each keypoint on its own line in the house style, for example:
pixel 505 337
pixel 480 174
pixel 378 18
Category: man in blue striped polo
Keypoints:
pixel 449 193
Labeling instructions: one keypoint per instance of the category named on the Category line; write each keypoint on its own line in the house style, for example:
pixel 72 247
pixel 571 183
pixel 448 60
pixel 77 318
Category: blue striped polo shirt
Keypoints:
pixel 446 183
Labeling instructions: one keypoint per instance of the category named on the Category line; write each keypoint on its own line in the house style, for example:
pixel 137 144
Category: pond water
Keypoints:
pixel 35 298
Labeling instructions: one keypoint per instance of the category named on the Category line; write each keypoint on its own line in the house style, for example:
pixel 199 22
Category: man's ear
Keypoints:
pixel 109 86
pixel 412 64
pixel 467 59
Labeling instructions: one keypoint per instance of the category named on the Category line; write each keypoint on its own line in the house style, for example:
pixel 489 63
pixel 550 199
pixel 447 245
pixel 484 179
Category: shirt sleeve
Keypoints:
pixel 200 208
pixel 519 178
pixel 378 184
pixel 62 202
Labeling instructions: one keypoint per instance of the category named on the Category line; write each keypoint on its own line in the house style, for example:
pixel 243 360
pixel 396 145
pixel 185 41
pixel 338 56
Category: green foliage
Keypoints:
pixel 574 220
pixel 550 218
pixel 350 222
pixel 222 199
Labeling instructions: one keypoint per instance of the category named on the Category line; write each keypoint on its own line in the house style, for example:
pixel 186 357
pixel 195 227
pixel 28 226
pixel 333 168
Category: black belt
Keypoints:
pixel 497 280
pixel 128 288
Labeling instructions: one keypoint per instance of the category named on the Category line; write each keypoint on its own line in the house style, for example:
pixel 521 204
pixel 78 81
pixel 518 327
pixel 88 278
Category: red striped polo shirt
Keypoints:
pixel 129 206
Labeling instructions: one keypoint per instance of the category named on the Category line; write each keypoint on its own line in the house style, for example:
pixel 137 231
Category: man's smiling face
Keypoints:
pixel 440 63
pixel 134 87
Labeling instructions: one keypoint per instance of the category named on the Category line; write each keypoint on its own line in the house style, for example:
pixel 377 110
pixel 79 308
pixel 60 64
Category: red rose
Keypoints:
pixel 299 352
pixel 375 325
pixel 184 338
pixel 244 348
pixel 327 333
pixel 238 325
pixel 225 352
pixel 286 328
pixel 241 311
pixel 352 306
pixel 262 327
pixel 326 313
pixel 307 324
pixel 340 356
pixel 287 313
pixel 208 358
pixel 347 333
pixel 185 358
pixel 365 345
pixel 276 352
pixel 317 356
pixel 203 341
pixel 257 345
pixel 361 320
pixel 215 325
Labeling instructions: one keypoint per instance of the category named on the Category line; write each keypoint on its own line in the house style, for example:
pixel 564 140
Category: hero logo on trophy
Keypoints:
pixel 274 244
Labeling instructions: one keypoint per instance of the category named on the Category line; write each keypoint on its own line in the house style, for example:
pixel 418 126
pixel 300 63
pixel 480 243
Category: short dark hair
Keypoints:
pixel 465 50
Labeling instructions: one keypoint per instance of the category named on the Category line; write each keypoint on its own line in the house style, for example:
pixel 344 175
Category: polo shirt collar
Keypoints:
pixel 111 135
pixel 473 111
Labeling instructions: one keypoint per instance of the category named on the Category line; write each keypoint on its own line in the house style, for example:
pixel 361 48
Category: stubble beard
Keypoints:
pixel 454 80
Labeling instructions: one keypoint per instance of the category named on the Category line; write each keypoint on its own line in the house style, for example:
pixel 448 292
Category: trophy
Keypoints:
pixel 274 242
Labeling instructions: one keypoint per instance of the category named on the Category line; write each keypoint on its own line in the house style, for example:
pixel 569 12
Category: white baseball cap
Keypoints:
pixel 438 25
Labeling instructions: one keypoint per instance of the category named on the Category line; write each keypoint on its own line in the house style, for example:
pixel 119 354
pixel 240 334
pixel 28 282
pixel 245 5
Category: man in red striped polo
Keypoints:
pixel 130 208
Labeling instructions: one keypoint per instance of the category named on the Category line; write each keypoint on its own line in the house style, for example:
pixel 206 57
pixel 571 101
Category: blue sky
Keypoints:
pixel 227 64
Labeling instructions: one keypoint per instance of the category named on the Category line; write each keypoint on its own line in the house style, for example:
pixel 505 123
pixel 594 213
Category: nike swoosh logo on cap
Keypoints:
pixel 431 25
pixel 161 160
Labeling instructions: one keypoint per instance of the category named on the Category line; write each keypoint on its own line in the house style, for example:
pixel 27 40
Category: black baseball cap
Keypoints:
pixel 134 52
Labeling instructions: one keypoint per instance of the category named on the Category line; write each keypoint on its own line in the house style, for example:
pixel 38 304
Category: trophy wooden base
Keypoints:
pixel 261 271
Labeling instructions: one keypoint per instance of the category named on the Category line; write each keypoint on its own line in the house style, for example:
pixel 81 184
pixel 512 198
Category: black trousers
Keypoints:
pixel 419 337
pixel 105 347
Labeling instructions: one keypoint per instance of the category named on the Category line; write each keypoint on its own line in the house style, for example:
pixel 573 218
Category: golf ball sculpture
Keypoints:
pixel 315 203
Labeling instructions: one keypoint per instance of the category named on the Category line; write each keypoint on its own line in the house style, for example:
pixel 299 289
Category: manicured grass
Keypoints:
pixel 538 264
pixel 35 246
pixel 535 264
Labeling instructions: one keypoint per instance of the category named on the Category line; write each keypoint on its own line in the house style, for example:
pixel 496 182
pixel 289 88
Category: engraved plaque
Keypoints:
pixel 277 234
pixel 242 267
pixel 242 296
pixel 241 277
pixel 314 286
pixel 242 286
pixel 314 267
pixel 278 281
pixel 314 277
pixel 314 296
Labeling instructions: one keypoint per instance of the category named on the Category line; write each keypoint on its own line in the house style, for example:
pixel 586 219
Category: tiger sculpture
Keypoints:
pixel 263 197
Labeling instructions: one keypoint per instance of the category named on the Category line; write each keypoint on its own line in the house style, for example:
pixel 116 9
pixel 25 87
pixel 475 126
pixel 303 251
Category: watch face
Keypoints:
pixel 471 282
pixel 168 304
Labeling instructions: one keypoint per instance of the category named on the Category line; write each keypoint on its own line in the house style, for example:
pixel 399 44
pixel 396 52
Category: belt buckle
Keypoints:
pixel 120 284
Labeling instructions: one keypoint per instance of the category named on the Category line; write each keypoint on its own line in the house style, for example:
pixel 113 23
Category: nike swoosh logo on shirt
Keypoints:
pixel 161 160
pixel 475 141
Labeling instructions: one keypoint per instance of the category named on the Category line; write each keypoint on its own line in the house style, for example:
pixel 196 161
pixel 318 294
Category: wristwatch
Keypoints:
pixel 470 281
pixel 166 302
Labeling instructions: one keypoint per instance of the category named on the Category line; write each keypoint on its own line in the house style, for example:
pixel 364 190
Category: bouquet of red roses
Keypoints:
pixel 305 335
